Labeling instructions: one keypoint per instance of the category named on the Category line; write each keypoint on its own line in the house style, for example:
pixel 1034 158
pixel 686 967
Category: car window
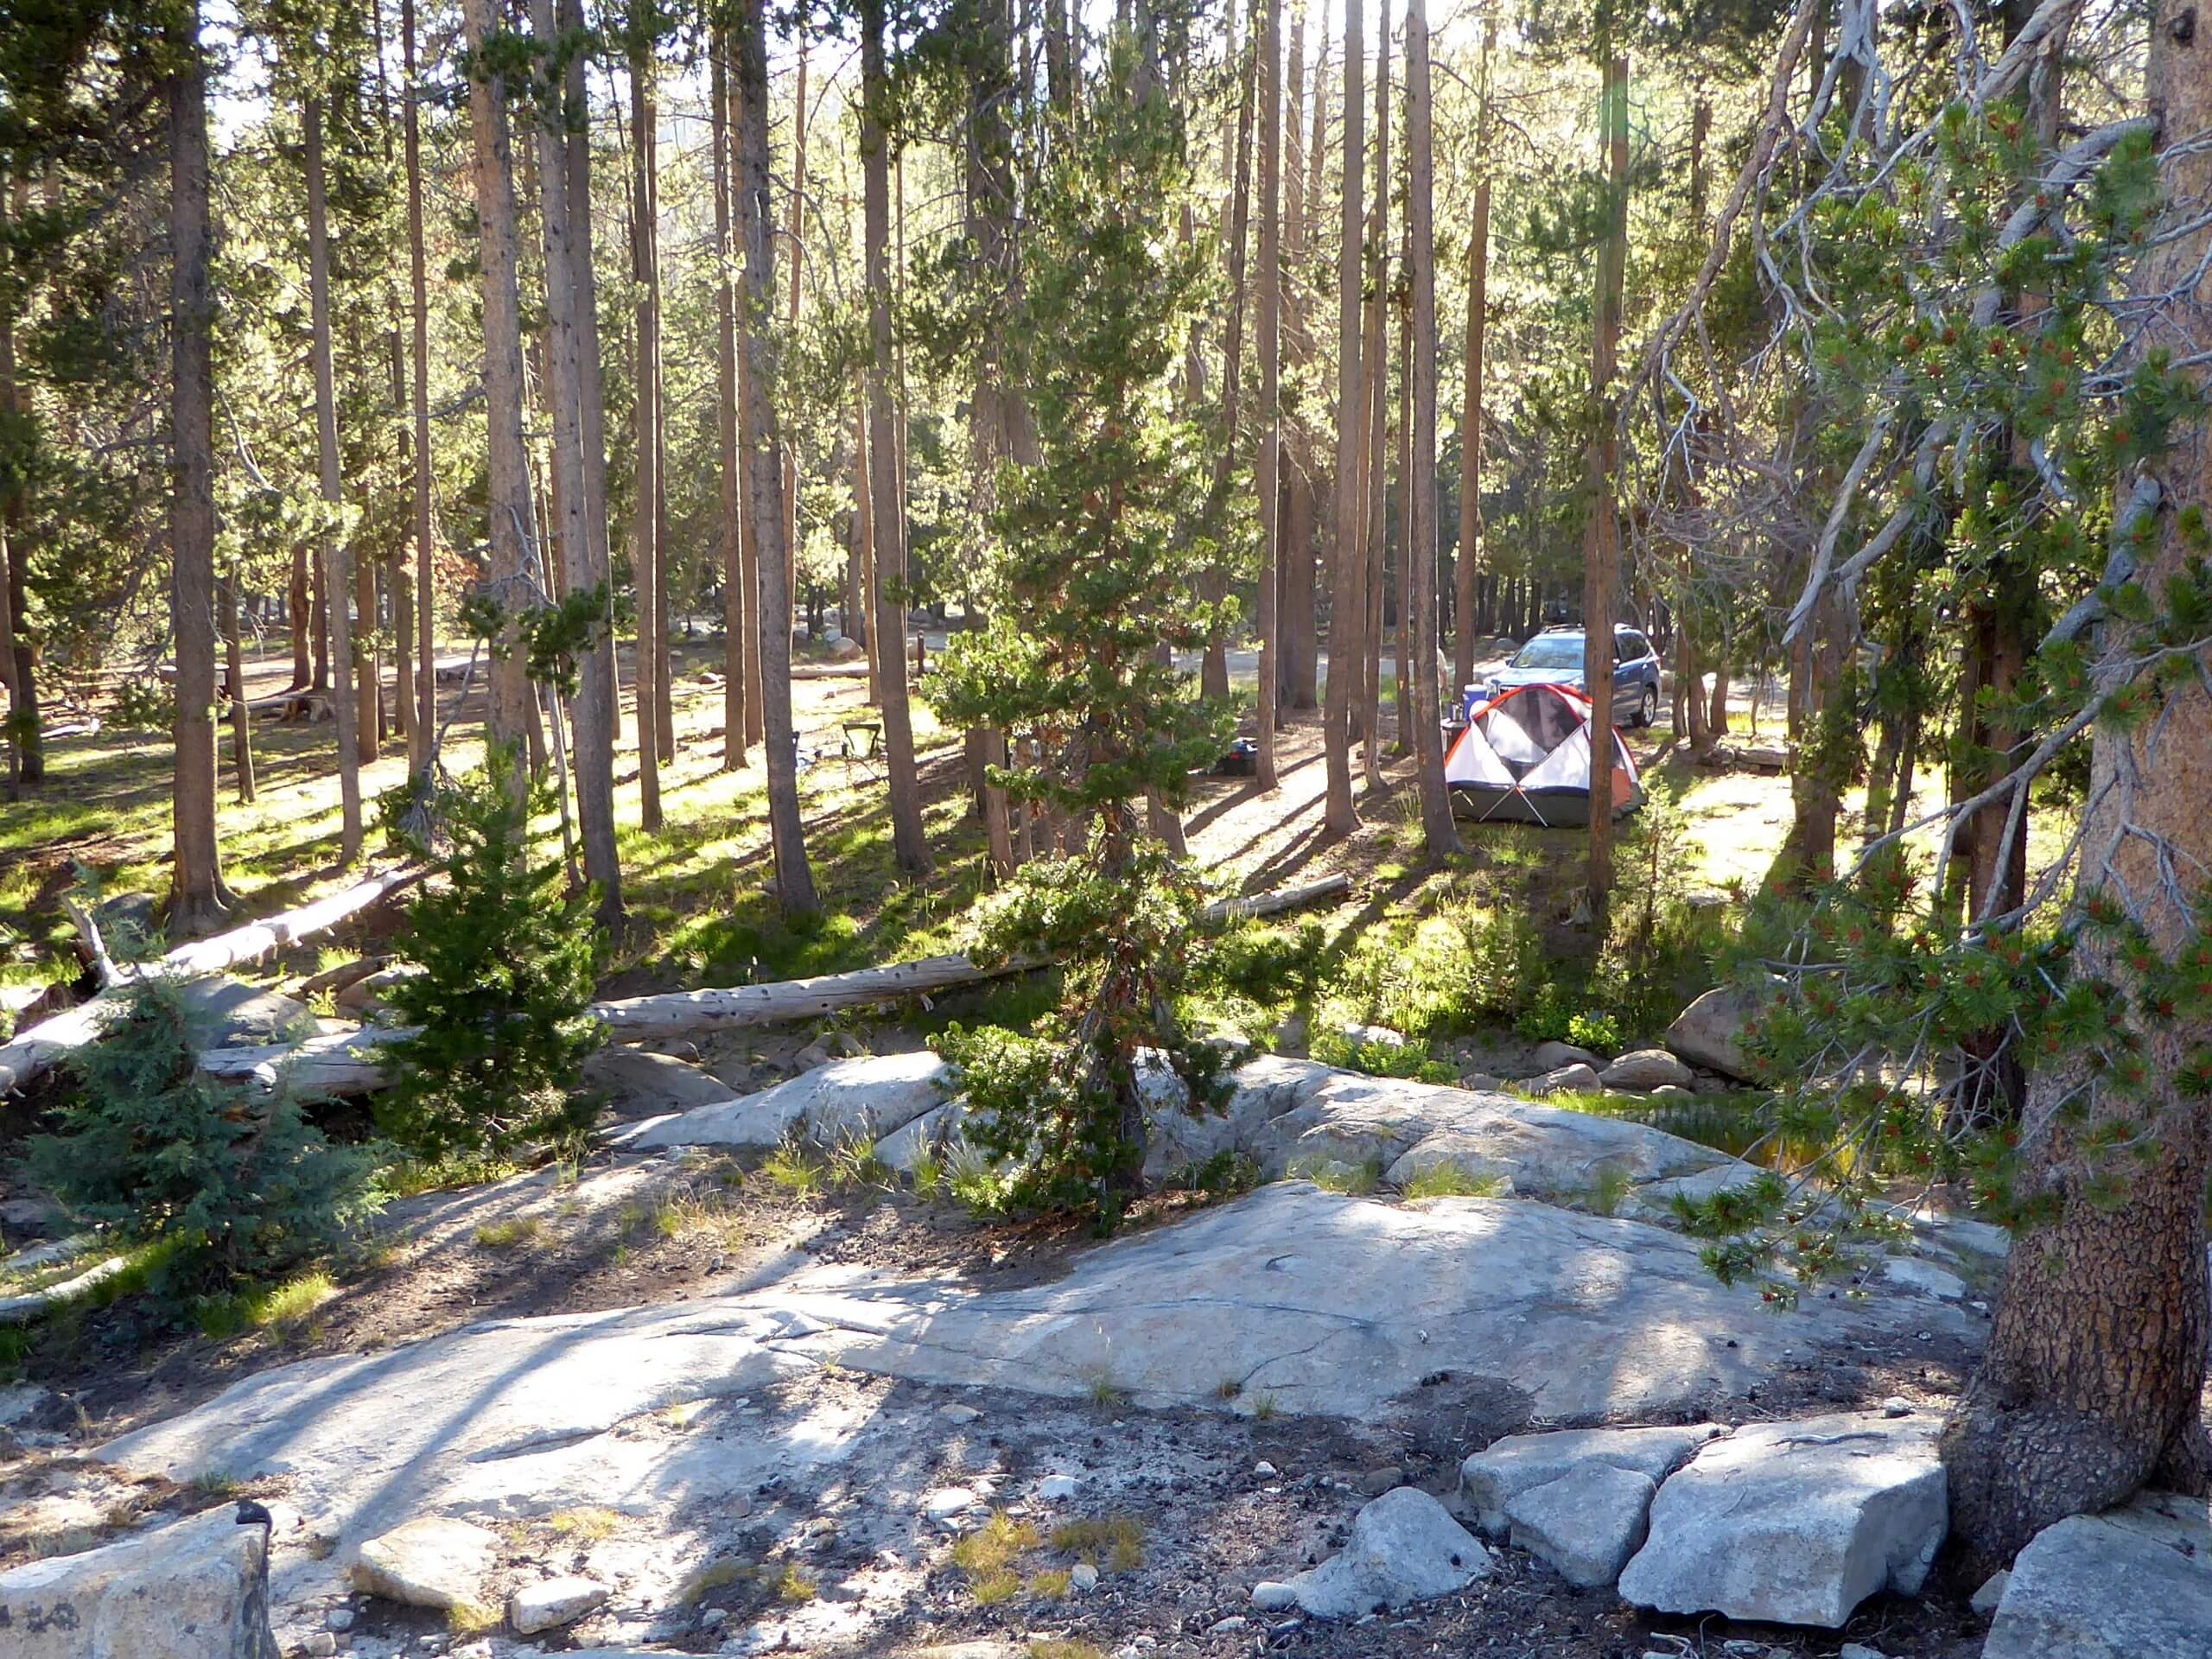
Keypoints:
pixel 1551 651
pixel 1635 647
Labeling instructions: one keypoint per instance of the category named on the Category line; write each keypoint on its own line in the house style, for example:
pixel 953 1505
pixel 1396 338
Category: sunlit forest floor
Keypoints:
pixel 698 890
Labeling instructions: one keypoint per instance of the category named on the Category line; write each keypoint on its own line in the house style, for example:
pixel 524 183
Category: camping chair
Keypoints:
pixel 862 750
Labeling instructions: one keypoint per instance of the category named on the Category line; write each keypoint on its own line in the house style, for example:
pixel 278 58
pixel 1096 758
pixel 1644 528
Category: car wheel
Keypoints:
pixel 1647 714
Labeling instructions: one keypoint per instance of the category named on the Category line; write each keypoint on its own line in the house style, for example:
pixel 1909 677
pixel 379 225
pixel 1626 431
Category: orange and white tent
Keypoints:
pixel 1524 758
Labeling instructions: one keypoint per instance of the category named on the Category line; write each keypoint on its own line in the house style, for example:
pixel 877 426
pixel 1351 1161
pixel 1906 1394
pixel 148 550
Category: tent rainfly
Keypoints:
pixel 1524 758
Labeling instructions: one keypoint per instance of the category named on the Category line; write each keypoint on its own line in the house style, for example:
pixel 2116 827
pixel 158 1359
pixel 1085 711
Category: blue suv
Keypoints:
pixel 1555 657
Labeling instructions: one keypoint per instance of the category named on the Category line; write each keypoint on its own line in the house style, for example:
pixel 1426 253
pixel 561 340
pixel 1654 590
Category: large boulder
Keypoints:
pixel 1490 1480
pixel 1796 1523
pixel 227 1012
pixel 196 1590
pixel 1644 1070
pixel 1586 1524
pixel 1709 1033
pixel 862 1099
pixel 641 1083
pixel 2124 1585
pixel 1405 1548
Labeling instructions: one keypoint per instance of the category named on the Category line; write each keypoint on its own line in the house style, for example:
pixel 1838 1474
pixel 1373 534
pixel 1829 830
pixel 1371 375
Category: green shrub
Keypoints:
pixel 500 1004
pixel 1600 1032
pixel 234 1185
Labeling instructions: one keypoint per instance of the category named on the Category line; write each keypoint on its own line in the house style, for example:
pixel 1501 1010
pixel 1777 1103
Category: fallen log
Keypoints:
pixel 1759 757
pixel 33 1053
pixel 37 1303
pixel 349 1063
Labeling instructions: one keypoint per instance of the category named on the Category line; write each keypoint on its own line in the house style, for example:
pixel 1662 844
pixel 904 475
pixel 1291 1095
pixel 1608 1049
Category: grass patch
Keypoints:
pixel 1448 1180
pixel 795 1585
pixel 508 1234
pixel 1112 1543
pixel 1051 1585
pixel 793 1167
pixel 993 1588
pixel 469 1618
pixel 1331 1175
pixel 587 1524
pixel 280 1305
pixel 854 1166
pixel 994 1546
pixel 717 1574
pixel 1608 1189
pixel 1065 1647
pixel 694 1215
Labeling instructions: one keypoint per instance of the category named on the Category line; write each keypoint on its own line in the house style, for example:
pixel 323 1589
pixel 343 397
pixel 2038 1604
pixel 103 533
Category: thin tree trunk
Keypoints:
pixel 426 692
pixel 910 849
pixel 226 595
pixel 1213 672
pixel 25 761
pixel 604 685
pixel 762 444
pixel 794 304
pixel 645 519
pixel 733 531
pixel 1602 546
pixel 1267 471
pixel 1347 613
pixel 1373 469
pixel 1471 410
pixel 336 555
pixel 1437 831
pixel 300 603
pixel 512 525
pixel 199 897
pixel 1400 740
pixel 562 225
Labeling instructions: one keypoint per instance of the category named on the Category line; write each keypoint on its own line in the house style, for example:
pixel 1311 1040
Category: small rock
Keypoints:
pixel 1492 1477
pixel 2130 1582
pixel 1482 1082
pixel 1576 1079
pixel 1265 1470
pixel 947 1505
pixel 1374 1037
pixel 1552 1056
pixel 1896 1406
pixel 713 1617
pixel 961 1415
pixel 1923 1276
pixel 1083 1577
pixel 341 1618
pixel 1586 1524
pixel 1234 1623
pixel 1992 1592
pixel 1404 1547
pixel 1646 1069
pixel 1375 1482
pixel 1273 1596
pixel 807 1058
pixel 1057 1489
pixel 433 1561
pixel 322 1645
pixel 1859 1650
pixel 553 1603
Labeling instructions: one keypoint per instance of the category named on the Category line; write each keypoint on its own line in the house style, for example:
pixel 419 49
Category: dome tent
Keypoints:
pixel 1524 758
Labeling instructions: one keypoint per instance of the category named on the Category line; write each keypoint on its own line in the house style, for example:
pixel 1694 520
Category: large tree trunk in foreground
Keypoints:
pixel 199 897
pixel 909 847
pixel 1347 605
pixel 337 556
pixel 762 441
pixel 2093 1383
